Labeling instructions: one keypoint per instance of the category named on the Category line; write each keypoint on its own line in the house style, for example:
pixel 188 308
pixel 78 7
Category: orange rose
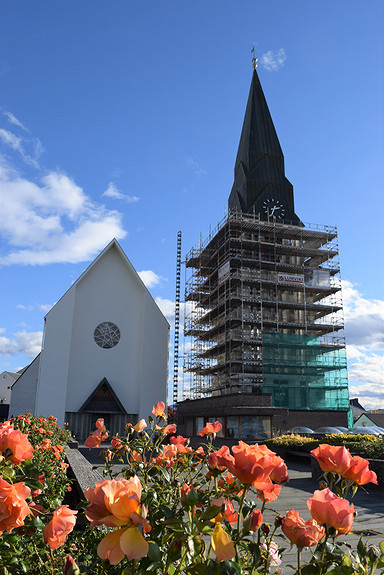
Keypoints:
pixel 171 428
pixel 116 503
pixel 170 451
pixel 70 566
pixel 269 492
pixel 13 507
pixel 116 443
pixel 158 411
pixel 181 443
pixel 256 520
pixel 14 445
pixel 326 507
pixel 211 429
pixel 332 458
pixel 301 533
pixel 280 472
pixel 101 434
pixel 212 462
pixel 221 544
pixel 359 473
pixel 136 456
pixel 140 425
pixel 228 513
pixel 250 464
pixel 61 524
pixel 127 541
pixel 112 502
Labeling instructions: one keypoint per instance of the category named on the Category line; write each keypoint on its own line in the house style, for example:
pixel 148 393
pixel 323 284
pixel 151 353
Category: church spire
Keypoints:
pixel 259 166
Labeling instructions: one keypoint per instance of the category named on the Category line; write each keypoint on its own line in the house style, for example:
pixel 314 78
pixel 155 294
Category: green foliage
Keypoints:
pixel 367 446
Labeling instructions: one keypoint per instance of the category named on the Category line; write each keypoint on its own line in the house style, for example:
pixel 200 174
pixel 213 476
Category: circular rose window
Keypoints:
pixel 107 335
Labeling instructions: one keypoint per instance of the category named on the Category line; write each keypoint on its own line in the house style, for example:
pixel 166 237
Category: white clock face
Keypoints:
pixel 274 208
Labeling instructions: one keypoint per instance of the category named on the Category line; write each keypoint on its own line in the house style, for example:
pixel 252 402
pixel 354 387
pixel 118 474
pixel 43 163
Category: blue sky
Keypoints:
pixel 122 119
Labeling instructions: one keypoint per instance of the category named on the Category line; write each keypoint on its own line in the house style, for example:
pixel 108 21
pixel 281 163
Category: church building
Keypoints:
pixel 266 323
pixel 104 353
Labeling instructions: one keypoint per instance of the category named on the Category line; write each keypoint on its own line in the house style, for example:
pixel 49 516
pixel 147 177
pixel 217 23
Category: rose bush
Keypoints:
pixel 169 508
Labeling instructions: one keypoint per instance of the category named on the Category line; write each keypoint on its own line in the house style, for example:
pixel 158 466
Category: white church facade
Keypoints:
pixel 104 353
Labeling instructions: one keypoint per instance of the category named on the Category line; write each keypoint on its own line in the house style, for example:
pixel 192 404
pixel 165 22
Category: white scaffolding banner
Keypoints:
pixel 290 279
pixel 223 272
pixel 320 278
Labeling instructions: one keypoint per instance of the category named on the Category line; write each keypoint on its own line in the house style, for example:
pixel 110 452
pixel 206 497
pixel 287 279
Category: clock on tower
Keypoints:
pixel 274 208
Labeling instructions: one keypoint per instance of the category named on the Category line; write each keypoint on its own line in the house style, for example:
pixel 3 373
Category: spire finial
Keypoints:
pixel 254 59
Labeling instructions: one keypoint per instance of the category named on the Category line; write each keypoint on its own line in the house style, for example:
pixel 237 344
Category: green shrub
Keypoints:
pixel 367 446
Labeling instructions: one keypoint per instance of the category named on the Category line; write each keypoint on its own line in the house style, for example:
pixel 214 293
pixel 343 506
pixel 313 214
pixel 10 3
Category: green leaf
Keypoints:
pixel 38 523
pixel 154 552
pixel 346 561
pixel 163 471
pixel 30 470
pixel 361 548
pixel 210 512
pixel 227 568
pixel 34 484
pixel 8 473
pixel 174 551
pixel 309 569
pixel 381 545
pixel 198 569
pixel 166 511
pixel 254 548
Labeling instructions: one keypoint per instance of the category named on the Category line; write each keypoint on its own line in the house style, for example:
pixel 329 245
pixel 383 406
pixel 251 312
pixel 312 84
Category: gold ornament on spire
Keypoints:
pixel 254 59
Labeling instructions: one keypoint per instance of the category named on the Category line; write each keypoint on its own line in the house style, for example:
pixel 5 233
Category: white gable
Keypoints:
pixel 73 364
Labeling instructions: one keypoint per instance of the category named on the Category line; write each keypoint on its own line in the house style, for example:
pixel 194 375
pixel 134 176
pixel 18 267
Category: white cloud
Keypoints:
pixel 149 278
pixel 198 170
pixel 41 307
pixel 113 192
pixel 167 306
pixel 25 342
pixel 272 61
pixel 364 318
pixel 364 328
pixel 11 140
pixel 13 120
pixel 17 145
pixel 51 219
pixel 52 222
pixel 370 372
pixel 45 307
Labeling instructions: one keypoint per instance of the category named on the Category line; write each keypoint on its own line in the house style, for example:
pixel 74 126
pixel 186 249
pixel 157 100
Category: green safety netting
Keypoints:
pixel 305 372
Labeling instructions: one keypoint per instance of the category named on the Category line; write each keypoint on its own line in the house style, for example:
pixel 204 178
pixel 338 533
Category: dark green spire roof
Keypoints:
pixel 260 181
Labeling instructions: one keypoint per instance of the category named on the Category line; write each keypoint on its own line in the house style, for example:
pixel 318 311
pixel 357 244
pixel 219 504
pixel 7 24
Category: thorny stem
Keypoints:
pixel 299 549
pixel 182 558
pixel 268 544
pixel 238 521
pixel 262 511
pixel 323 551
